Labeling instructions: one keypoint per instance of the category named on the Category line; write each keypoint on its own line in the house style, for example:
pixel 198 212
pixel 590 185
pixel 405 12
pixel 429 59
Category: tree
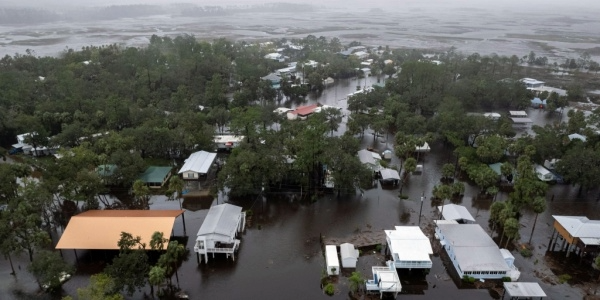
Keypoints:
pixel 176 185
pixel 156 277
pixel 495 214
pixel 538 206
pixel 448 171
pixel 50 270
pixel 410 165
pixel 171 259
pixel 130 268
pixel 141 194
pixel 355 281
pixel 511 230
pixel 101 287
pixel 333 118
pixel 442 192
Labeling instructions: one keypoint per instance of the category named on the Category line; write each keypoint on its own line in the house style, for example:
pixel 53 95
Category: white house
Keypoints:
pixel 457 213
pixel 409 247
pixel 275 56
pixel 366 157
pixel 349 255
pixel 385 280
pixel 473 252
pixel 332 261
pixel 532 83
pixel 228 141
pixel 543 174
pixel 197 165
pixel 219 230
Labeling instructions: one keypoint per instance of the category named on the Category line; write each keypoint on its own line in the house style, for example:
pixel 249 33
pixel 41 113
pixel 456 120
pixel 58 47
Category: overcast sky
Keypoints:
pixel 588 4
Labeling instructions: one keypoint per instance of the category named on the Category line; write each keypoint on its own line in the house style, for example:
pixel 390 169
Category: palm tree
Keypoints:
pixel 176 184
pixel 538 206
pixel 511 229
pixel 356 281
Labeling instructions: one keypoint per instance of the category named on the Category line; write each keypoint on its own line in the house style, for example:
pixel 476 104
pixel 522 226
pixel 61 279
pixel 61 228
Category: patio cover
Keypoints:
pixel 101 229
pixel 389 174
pixel 524 289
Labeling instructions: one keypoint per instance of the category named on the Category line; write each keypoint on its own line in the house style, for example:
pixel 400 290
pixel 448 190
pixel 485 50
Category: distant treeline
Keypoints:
pixel 9 16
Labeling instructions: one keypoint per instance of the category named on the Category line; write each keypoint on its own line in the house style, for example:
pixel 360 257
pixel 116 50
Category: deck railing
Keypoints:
pixel 413 265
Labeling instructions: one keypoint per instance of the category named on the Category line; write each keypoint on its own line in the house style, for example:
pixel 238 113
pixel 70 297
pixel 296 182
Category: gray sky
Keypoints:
pixel 594 4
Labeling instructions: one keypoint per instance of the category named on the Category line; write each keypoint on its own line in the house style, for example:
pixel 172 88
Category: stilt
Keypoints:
pixel 183 219
pixel 198 257
pixel 562 247
pixel 568 250
pixel 551 239
pixel 61 254
pixel 76 258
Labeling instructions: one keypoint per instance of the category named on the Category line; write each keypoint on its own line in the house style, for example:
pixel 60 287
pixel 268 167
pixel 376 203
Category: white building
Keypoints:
pixel 368 158
pixel 228 141
pixel 457 213
pixel 275 56
pixel 532 83
pixel 332 261
pixel 385 280
pixel 197 165
pixel 409 247
pixel 219 230
pixel 473 252
pixel 349 255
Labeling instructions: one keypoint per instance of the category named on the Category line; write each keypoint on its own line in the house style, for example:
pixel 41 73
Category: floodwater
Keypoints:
pixel 280 255
pixel 553 32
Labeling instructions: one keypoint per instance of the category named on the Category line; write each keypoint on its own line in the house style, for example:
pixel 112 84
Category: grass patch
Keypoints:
pixel 525 252
pixel 329 289
pixel 564 278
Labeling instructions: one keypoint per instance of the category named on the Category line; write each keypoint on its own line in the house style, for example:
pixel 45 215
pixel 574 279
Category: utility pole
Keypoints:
pixel 421 210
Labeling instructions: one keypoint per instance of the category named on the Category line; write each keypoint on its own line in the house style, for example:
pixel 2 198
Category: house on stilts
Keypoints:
pixel 576 234
pixel 219 231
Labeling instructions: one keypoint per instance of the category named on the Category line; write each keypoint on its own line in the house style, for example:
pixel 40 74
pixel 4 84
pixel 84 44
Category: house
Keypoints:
pixel 274 79
pixel 457 213
pixel 361 54
pixel 197 165
pixel 538 103
pixel 219 231
pixel 349 255
pixel 409 247
pixel 423 148
pixel 331 260
pixel 577 233
pixel 517 114
pixel 389 176
pixel 542 173
pixel 366 157
pixel 521 122
pixel 388 61
pixel 492 115
pixel 228 142
pixel 532 83
pixel 155 177
pixel 385 280
pixel 282 110
pixel 302 112
pixel 275 56
pixel 462 241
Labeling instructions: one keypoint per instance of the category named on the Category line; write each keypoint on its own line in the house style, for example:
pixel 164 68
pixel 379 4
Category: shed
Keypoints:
pixel 523 290
pixel 349 255
pixel 331 259
pixel 389 176
pixel 155 177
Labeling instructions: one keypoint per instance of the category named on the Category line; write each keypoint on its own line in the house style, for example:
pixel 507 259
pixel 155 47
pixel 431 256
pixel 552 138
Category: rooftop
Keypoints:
pixel 523 289
pixel 101 229
pixel 410 243
pixel 221 222
pixel 456 212
pixel 467 239
pixel 198 162
pixel 155 174
pixel 581 227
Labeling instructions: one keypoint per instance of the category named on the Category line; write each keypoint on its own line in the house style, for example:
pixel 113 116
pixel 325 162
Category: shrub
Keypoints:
pixel 403 197
pixel 506 279
pixel 564 278
pixel 525 252
pixel 329 289
pixel 378 248
pixel 468 279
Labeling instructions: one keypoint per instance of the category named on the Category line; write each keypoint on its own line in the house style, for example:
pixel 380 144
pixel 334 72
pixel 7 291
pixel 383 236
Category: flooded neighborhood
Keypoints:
pixel 428 221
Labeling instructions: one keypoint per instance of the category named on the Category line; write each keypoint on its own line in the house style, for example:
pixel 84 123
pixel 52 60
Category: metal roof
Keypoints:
pixel 347 251
pixel 456 212
pixel 305 110
pixel 101 229
pixel 198 162
pixel 581 227
pixel 521 120
pixel 524 289
pixel 468 239
pixel 409 243
pixel 389 174
pixel 155 174
pixel 221 222
pixel 518 113
pixel 366 157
